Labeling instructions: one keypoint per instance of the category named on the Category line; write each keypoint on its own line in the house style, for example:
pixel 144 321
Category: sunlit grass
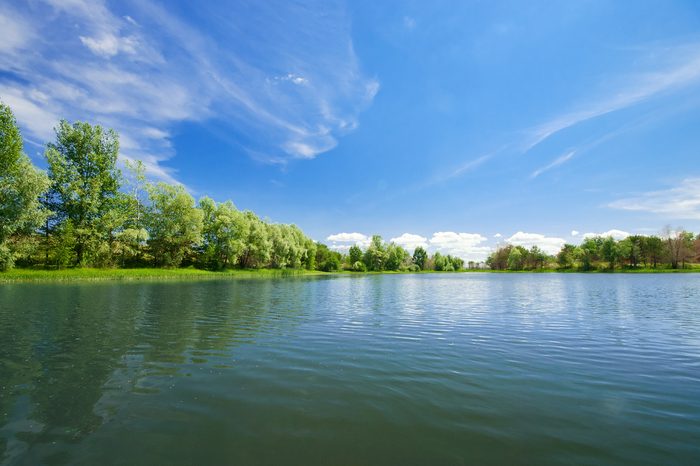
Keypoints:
pixel 89 274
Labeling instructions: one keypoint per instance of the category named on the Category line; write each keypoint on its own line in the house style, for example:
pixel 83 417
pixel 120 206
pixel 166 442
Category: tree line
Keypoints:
pixel 84 211
pixel 672 249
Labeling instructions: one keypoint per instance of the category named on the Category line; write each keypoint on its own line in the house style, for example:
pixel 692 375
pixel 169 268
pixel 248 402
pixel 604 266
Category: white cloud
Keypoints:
pixel 110 69
pixel 348 237
pixel 498 235
pixel 410 241
pixel 680 202
pixel 16 32
pixel 615 234
pixel 343 241
pixel 550 245
pixel 574 233
pixel 109 45
pixel 558 161
pixel 684 69
pixel 465 245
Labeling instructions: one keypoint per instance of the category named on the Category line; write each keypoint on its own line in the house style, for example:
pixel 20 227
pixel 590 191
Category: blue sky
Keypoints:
pixel 453 125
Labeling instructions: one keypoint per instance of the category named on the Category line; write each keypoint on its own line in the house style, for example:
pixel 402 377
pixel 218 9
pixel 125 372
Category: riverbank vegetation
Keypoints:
pixel 84 213
pixel 674 250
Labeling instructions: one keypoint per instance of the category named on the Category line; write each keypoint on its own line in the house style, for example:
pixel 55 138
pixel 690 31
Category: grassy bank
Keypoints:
pixel 88 274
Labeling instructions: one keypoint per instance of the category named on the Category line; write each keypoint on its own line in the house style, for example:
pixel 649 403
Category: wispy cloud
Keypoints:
pixel 679 69
pixel 289 92
pixel 556 162
pixel 636 88
pixel 680 202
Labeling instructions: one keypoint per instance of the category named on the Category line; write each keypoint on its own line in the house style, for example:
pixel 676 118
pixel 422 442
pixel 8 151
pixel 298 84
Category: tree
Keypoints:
pixel 420 256
pixel 222 228
pixel 498 260
pixel 516 258
pixel 174 223
pixel 21 184
pixel 566 256
pixel 396 257
pixel 354 255
pixel 679 246
pixel 610 251
pixel 589 252
pixel 84 182
pixel 652 250
pixel 327 260
pixel 375 255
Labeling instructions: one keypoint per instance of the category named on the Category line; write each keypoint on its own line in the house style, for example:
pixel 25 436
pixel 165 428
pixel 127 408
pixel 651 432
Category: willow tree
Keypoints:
pixel 21 184
pixel 84 184
pixel 174 223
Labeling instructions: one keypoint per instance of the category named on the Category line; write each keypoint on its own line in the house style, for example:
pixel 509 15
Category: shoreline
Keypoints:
pixel 157 274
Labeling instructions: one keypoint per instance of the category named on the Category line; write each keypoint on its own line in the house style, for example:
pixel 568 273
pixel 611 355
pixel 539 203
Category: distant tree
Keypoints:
pixel 396 257
pixel 652 250
pixel 498 260
pixel 610 251
pixel 566 256
pixel 516 258
pixel 589 252
pixel 420 257
pixel 84 183
pixel 375 255
pixel 327 260
pixel 354 255
pixel 21 185
pixel 174 223
pixel 679 246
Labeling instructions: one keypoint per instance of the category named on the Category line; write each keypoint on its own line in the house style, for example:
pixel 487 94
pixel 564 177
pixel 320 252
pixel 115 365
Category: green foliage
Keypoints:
pixel 21 185
pixel 354 255
pixel 375 255
pixel 84 184
pixel 420 257
pixel 397 258
pixel 566 256
pixel 174 224
pixel 327 260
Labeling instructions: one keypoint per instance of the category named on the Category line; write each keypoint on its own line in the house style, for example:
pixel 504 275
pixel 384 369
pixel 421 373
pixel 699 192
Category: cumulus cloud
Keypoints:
pixel 343 241
pixel 468 246
pixel 410 241
pixel 680 202
pixel 574 233
pixel 550 245
pixel 615 234
pixel 498 235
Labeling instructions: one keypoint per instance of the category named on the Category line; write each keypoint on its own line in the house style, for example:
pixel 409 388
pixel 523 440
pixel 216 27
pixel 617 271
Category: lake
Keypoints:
pixel 431 369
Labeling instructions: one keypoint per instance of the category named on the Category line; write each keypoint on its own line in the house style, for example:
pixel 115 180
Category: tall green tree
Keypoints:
pixel 21 185
pixel 375 255
pixel 84 183
pixel 420 257
pixel 174 223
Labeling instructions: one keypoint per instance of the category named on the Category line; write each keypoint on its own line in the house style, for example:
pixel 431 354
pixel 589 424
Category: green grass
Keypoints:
pixel 88 274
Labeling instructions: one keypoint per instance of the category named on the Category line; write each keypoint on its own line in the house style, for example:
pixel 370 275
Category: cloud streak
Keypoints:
pixel 681 202
pixel 288 93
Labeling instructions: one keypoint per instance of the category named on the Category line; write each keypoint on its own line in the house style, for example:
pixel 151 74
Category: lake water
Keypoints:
pixel 388 369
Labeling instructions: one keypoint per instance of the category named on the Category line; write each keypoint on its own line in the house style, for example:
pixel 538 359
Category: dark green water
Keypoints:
pixel 429 369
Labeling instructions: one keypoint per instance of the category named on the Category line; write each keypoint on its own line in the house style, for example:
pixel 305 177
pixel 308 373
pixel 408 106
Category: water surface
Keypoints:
pixel 394 369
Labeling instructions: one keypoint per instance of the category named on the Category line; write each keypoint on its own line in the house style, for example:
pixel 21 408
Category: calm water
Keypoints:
pixel 429 369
